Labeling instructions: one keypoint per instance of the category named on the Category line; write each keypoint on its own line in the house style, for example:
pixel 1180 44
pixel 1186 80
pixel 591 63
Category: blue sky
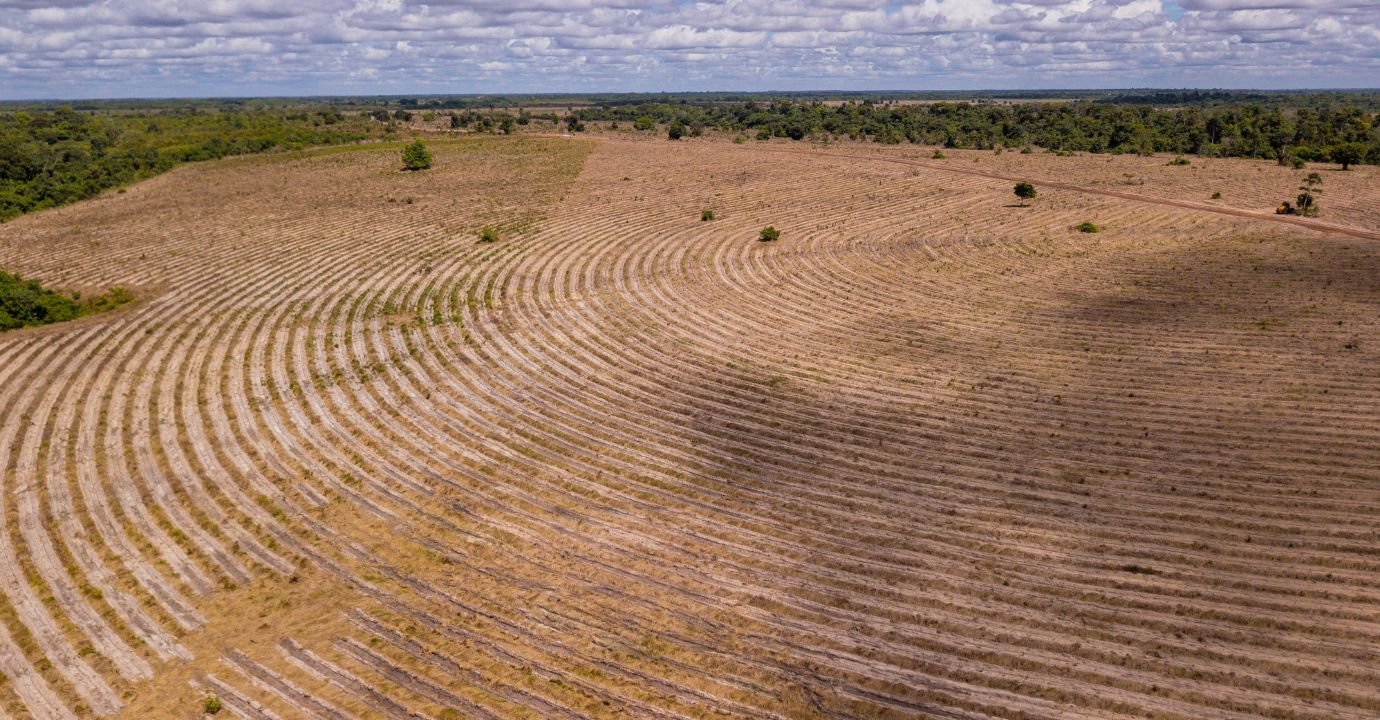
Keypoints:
pixel 171 48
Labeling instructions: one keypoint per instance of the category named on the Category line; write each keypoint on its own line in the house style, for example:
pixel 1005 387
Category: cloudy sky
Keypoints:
pixel 155 48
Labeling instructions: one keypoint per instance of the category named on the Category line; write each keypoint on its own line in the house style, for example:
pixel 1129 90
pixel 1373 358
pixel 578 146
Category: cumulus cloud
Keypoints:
pixel 76 48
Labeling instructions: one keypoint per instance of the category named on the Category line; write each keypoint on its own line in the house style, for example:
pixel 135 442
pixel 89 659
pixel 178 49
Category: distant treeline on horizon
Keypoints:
pixel 53 154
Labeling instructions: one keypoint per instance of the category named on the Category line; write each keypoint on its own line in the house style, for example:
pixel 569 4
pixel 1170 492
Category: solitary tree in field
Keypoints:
pixel 1024 191
pixel 1307 201
pixel 1347 154
pixel 416 156
pixel 676 131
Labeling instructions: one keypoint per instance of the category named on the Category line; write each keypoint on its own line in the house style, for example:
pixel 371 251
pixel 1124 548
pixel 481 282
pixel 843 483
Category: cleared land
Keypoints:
pixel 927 455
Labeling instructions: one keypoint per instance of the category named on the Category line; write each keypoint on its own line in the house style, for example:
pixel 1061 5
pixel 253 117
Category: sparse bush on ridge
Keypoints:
pixel 769 234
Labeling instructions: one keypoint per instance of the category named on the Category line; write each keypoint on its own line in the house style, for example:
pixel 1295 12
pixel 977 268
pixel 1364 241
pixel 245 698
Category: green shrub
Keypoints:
pixel 1217 196
pixel 26 303
pixel 643 123
pixel 488 234
pixel 1024 191
pixel 706 215
pixel 769 234
pixel 1026 150
pixel 416 156
pixel 676 131
pixel 210 704
pixel 938 155
pixel 1087 227
pixel 1180 160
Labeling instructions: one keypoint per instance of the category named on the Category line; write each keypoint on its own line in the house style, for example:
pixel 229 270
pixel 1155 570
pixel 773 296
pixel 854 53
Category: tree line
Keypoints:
pixel 51 158
pixel 1330 132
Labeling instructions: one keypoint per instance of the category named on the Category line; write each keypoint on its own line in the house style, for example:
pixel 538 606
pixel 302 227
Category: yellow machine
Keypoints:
pixel 1285 209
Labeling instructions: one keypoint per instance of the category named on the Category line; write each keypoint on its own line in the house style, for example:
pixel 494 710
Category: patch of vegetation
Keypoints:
pixel 1307 201
pixel 1217 196
pixel 769 234
pixel 26 303
pixel 938 155
pixel 416 156
pixel 706 215
pixel 1087 227
pixel 48 159
pixel 1140 570
pixel 1180 160
pixel 1341 127
pixel 1024 191
pixel 488 234
pixel 210 705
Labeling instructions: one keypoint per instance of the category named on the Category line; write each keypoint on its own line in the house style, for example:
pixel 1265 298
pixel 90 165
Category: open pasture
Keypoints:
pixel 927 455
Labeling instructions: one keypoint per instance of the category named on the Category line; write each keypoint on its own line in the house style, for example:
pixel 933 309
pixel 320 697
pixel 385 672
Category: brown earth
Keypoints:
pixel 927 455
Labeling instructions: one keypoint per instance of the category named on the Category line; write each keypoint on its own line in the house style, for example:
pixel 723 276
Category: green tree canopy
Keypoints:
pixel 416 156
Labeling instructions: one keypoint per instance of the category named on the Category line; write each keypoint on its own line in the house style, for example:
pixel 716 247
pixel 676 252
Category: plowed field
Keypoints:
pixel 928 455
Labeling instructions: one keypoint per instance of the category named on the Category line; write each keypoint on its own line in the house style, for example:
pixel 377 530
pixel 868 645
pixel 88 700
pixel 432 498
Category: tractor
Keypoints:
pixel 1285 209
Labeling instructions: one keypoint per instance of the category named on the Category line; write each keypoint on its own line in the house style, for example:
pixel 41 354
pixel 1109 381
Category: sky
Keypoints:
pixel 236 48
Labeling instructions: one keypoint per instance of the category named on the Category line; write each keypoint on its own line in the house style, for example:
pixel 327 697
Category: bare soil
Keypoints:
pixel 927 455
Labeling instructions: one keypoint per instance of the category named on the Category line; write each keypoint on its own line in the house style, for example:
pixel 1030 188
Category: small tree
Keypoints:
pixel 676 131
pixel 1347 154
pixel 769 234
pixel 1307 200
pixel 416 156
pixel 706 215
pixel 1024 191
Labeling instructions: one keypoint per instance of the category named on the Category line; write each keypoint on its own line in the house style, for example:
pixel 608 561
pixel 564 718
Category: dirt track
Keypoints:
pixel 1310 223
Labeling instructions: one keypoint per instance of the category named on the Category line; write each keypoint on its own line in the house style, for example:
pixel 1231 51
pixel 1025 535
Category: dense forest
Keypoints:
pixel 1338 133
pixel 50 158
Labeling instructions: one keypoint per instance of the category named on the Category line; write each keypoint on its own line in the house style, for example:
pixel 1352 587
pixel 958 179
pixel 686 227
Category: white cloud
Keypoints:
pixel 238 47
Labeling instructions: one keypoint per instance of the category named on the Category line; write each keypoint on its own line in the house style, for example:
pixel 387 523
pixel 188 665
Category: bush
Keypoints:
pixel 1217 196
pixel 1026 150
pixel 210 704
pixel 706 215
pixel 676 131
pixel 1087 227
pixel 1024 191
pixel 25 303
pixel 1180 160
pixel 643 123
pixel 938 155
pixel 416 156
pixel 769 234
pixel 488 234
